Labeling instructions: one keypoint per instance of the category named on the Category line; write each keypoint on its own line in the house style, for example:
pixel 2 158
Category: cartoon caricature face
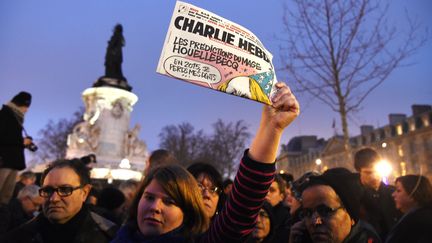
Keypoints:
pixel 239 86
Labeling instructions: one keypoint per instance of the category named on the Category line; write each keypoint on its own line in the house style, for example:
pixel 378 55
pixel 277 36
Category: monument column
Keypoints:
pixel 105 130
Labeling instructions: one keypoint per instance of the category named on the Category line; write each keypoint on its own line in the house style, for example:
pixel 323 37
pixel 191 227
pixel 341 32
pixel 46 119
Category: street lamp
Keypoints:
pixel 318 163
pixel 384 169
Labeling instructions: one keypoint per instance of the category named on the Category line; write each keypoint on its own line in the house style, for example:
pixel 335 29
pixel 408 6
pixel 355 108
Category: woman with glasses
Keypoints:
pixel 330 210
pixel 210 185
pixel 169 206
pixel 413 196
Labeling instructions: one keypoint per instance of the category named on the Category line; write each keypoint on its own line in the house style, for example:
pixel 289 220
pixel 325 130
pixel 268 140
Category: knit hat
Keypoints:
pixel 110 198
pixel 346 186
pixel 22 99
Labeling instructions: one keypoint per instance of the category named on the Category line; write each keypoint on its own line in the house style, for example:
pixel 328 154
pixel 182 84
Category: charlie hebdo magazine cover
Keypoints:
pixel 205 49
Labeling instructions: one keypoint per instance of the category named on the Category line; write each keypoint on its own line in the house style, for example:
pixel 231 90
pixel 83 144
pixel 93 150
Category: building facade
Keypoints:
pixel 405 142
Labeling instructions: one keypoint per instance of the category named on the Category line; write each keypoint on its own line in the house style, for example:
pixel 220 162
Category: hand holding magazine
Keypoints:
pixel 205 49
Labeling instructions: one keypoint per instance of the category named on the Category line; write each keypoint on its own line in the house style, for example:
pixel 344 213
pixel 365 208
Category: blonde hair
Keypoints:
pixel 256 91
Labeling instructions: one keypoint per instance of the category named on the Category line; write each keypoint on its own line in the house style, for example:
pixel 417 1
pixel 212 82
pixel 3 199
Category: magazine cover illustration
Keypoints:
pixel 205 49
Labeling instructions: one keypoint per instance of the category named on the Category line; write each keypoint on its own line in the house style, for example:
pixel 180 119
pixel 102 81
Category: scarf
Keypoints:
pixel 17 112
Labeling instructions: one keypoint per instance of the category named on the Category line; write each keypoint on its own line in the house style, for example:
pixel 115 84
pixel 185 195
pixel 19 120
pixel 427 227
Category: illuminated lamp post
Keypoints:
pixel 384 169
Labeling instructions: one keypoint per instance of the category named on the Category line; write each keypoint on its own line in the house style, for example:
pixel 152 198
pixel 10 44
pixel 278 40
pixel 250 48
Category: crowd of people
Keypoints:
pixel 196 204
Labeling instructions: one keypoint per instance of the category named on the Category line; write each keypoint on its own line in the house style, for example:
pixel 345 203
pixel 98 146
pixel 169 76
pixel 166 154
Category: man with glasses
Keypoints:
pixel 330 213
pixel 20 209
pixel 64 217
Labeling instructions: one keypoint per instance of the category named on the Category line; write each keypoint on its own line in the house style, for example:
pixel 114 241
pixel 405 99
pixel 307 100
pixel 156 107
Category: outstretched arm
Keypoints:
pixel 274 120
pixel 256 172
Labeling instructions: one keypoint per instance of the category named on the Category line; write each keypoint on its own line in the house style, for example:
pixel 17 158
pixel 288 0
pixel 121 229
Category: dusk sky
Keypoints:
pixel 55 50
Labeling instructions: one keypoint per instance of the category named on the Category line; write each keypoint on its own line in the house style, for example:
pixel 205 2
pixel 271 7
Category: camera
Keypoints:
pixel 32 147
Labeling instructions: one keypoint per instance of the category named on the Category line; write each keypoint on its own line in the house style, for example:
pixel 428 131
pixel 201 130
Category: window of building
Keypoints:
pixel 418 123
pixel 363 140
pixel 405 127
pixel 372 137
pixel 399 129
pixel 382 134
pixel 400 151
pixel 393 131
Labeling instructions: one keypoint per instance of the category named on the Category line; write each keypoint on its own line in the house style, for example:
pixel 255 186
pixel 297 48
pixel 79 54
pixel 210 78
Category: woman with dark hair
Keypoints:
pixel 210 183
pixel 168 206
pixel 413 196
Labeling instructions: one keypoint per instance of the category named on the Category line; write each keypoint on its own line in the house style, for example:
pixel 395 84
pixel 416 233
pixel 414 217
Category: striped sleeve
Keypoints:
pixel 238 217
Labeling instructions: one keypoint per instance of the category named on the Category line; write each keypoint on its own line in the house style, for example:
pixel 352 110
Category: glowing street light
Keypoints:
pixel 318 161
pixel 384 169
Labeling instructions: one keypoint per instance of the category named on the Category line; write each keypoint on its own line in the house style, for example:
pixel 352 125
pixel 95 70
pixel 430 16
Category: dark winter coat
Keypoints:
pixel 281 223
pixel 414 227
pixel 379 210
pixel 11 141
pixel 362 232
pixel 85 227
pixel 12 215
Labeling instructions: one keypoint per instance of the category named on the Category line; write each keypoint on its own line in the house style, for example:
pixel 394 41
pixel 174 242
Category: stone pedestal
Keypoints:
pixel 105 130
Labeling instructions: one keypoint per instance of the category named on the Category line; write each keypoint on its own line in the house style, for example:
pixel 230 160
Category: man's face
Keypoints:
pixel 31 205
pixel 369 177
pixel 274 195
pixel 61 209
pixel 23 109
pixel 262 226
pixel 328 222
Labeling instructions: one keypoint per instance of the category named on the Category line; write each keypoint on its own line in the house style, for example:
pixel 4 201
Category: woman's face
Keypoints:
pixel 157 212
pixel 210 194
pixel 402 200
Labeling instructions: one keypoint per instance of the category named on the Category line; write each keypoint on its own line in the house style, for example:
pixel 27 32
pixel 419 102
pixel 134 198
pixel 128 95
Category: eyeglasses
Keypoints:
pixel 323 211
pixel 212 190
pixel 62 191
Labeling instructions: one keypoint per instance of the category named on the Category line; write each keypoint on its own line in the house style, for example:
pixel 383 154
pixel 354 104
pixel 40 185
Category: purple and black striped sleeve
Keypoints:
pixel 238 217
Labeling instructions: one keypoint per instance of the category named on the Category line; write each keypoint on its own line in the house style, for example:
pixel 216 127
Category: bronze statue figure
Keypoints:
pixel 113 62
pixel 114 54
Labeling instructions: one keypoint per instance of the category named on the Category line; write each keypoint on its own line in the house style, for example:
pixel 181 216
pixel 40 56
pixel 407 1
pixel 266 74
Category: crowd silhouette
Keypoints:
pixel 196 204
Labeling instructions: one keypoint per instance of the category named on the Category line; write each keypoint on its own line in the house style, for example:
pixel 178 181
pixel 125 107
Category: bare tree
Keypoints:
pixel 221 149
pixel 182 142
pixel 53 138
pixel 227 144
pixel 339 51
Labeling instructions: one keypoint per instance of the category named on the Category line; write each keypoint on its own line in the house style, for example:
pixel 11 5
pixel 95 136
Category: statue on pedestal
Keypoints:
pixel 113 61
pixel 133 146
